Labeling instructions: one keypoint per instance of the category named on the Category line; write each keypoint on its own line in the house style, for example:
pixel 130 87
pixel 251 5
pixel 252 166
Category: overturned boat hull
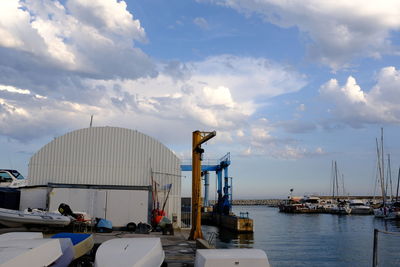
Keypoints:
pixel 29 252
pixel 82 243
pixel 129 252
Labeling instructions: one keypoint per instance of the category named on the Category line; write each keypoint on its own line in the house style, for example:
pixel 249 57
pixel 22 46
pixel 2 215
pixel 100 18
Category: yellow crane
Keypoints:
pixel 198 139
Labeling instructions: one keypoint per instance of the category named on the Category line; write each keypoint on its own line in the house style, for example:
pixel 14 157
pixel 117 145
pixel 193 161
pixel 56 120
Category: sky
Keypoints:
pixel 289 86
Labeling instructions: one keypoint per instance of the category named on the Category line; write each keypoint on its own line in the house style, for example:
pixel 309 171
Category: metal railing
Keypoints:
pixel 377 259
pixel 186 218
pixel 212 238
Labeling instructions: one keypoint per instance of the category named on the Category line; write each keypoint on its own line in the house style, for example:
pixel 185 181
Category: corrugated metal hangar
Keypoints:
pixel 106 172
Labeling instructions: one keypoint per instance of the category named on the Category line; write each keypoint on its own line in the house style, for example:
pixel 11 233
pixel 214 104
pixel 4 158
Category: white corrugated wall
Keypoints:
pixel 107 156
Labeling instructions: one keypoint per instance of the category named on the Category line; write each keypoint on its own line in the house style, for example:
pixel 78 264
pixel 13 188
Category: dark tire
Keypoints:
pixel 131 227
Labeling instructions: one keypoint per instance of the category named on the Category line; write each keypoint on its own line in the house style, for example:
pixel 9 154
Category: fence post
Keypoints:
pixel 375 252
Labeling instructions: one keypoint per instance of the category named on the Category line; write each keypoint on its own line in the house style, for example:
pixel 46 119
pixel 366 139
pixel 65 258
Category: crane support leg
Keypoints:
pixel 198 139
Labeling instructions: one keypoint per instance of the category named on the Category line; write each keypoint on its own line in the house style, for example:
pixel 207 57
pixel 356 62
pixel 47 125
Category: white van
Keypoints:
pixel 12 179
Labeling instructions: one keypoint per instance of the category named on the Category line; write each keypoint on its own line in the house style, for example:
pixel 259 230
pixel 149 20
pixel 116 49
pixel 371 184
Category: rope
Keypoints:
pixel 388 233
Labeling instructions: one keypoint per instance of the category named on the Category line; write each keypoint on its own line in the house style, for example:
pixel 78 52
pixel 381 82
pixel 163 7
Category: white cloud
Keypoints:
pixel 260 133
pixel 218 96
pixel 301 107
pixel 73 37
pixel 12 89
pixel 259 139
pixel 357 107
pixel 201 22
pixel 339 30
pixel 79 60
pixel 200 95
pixel 109 16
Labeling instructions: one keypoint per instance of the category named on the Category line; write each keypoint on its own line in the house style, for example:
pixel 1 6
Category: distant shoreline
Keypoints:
pixel 276 201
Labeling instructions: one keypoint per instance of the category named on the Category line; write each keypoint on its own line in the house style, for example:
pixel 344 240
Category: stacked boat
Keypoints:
pixel 31 249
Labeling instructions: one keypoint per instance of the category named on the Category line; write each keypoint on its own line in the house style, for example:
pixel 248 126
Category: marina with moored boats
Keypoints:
pixel 84 228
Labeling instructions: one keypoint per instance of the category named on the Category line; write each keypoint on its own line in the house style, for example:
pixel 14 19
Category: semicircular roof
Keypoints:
pixel 102 156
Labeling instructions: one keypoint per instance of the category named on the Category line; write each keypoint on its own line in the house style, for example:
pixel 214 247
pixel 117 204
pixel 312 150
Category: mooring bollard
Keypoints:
pixel 375 249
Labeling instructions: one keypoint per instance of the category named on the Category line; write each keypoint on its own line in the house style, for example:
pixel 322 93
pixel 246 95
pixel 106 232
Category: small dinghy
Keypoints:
pixel 231 257
pixel 129 252
pixel 82 243
pixel 16 218
pixel 29 252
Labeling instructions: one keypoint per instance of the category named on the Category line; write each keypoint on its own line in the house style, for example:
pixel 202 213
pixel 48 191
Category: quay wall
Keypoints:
pixel 275 202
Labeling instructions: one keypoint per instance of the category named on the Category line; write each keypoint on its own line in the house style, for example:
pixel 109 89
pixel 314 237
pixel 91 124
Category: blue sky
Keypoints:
pixel 289 86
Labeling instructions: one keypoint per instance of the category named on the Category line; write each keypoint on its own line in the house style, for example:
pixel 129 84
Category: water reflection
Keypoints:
pixel 313 239
pixel 226 238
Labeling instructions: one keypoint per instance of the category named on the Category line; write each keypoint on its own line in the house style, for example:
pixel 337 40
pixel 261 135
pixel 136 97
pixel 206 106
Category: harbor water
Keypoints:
pixel 314 239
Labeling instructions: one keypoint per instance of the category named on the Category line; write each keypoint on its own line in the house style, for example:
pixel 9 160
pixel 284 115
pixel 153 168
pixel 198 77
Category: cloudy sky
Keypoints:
pixel 289 86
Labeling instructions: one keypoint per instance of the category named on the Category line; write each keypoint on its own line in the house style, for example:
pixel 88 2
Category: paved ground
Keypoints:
pixel 178 250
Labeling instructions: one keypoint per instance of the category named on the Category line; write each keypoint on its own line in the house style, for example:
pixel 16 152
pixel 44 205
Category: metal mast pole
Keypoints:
pixel 380 173
pixel 383 168
pixel 397 192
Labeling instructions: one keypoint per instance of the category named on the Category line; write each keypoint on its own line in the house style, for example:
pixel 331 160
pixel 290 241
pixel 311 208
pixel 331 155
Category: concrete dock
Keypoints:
pixel 179 251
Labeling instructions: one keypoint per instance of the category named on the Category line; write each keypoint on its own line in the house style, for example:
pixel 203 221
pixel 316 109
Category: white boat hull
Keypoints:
pixel 361 210
pixel 129 252
pixel 15 218
pixel 67 256
pixel 231 257
pixel 29 252
pixel 82 243
pixel 20 235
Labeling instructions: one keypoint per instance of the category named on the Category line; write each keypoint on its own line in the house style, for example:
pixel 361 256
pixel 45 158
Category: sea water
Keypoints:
pixel 314 239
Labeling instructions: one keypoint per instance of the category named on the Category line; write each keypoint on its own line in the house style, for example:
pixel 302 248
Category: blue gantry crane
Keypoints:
pixel 224 189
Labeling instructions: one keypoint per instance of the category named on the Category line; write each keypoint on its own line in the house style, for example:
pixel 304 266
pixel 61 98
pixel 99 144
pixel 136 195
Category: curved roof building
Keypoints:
pixel 103 156
pixel 108 158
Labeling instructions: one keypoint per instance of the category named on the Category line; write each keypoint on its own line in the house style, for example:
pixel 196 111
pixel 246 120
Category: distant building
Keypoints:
pixel 106 172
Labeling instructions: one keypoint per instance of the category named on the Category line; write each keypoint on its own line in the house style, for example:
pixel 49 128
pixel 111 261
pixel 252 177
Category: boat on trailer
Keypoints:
pixel 16 218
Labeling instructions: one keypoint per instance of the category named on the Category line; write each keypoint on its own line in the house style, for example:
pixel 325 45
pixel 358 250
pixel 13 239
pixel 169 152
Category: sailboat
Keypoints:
pixel 388 210
pixel 341 207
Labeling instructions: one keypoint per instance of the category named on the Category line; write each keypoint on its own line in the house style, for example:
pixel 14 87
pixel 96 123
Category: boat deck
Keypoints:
pixel 179 251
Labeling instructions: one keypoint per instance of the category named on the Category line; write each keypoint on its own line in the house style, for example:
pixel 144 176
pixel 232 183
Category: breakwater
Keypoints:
pixel 254 202
pixel 275 202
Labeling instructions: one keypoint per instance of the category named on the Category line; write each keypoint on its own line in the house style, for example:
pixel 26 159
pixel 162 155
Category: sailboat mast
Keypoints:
pixel 383 169
pixel 333 180
pixel 389 179
pixel 336 180
pixel 398 180
pixel 344 193
pixel 380 172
